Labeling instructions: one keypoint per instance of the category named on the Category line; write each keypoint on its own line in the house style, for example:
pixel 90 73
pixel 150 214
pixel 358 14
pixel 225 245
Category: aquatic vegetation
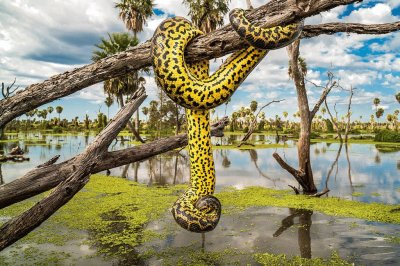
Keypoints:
pixel 115 210
pixel 357 194
pixel 270 259
pixel 376 194
pixel 387 136
pixel 236 200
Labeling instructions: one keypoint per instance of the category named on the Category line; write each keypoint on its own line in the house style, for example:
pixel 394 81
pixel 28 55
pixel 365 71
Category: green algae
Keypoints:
pixel 280 260
pixel 357 194
pixel 113 210
pixel 236 200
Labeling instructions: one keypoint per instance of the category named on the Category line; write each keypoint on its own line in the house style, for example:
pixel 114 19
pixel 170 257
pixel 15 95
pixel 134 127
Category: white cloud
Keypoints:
pixel 380 13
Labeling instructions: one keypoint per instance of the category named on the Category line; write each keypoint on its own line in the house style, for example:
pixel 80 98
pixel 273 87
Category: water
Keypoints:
pixel 282 231
pixel 363 172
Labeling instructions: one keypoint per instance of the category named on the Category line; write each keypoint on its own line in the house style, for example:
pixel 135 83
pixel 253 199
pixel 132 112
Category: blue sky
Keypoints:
pixel 39 39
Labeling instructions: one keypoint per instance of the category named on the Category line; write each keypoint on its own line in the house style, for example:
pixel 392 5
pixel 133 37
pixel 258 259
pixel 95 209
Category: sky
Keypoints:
pixel 39 39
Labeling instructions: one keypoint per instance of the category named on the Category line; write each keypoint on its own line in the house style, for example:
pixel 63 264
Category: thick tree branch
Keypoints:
pixel 295 173
pixel 21 225
pixel 42 179
pixel 332 28
pixel 215 44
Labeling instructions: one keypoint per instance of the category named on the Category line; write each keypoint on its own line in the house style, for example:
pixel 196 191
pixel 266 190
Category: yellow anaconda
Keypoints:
pixel 191 86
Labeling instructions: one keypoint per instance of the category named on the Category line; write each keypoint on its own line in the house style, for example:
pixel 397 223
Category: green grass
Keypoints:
pixel 236 200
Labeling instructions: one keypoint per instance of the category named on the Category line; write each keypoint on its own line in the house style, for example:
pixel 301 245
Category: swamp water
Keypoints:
pixel 363 172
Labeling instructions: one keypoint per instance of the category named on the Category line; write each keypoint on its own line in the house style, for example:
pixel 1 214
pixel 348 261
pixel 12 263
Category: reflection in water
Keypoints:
pixel 335 163
pixel 304 229
pixel 1 176
pixel 349 167
pixel 341 172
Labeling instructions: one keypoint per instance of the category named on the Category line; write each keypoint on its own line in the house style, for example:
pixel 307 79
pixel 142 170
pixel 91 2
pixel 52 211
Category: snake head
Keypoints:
pixel 264 38
pixel 201 217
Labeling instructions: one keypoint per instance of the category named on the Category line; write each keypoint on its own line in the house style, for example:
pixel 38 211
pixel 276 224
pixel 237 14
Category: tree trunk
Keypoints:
pixel 2 136
pixel 346 132
pixel 129 124
pixel 303 144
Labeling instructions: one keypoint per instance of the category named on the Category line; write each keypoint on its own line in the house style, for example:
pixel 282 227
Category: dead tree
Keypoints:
pixel 304 174
pixel 76 179
pixel 6 92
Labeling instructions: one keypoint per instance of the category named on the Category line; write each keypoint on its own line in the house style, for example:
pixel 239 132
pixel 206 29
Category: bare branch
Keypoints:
pixel 327 89
pixel 295 173
pixel 21 225
pixel 332 28
pixel 254 122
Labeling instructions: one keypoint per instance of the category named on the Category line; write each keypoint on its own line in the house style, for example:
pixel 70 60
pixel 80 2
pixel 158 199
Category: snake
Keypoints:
pixel 190 85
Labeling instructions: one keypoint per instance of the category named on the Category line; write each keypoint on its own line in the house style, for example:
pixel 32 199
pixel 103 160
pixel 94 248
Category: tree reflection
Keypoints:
pixel 335 163
pixel 165 169
pixel 349 167
pixel 254 158
pixel 304 229
pixel 1 176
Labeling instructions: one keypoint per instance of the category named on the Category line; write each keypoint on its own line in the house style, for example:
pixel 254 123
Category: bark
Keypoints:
pixel 129 124
pixel 83 164
pixel 346 131
pixel 304 175
pixel 212 45
pixel 42 179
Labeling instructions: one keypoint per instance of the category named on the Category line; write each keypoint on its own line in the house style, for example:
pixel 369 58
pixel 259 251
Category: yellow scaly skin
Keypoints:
pixel 190 86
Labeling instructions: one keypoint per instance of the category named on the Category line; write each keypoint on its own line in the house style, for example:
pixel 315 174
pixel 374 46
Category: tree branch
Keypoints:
pixel 21 225
pixel 212 45
pixel 42 179
pixel 332 28
pixel 254 122
pixel 327 89
pixel 295 173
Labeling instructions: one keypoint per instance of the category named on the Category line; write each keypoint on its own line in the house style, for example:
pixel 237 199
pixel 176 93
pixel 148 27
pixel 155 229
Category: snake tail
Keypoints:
pixel 197 210
pixel 264 38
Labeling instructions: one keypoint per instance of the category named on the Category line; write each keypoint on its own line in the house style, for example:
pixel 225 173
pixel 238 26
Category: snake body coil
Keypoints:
pixel 191 86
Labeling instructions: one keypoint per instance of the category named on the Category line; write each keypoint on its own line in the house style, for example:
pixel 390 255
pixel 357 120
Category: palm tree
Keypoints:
pixel 109 101
pixel 124 85
pixel 302 65
pixel 59 110
pixel 398 97
pixel 50 109
pixel 379 113
pixel 253 106
pixel 134 13
pixel 376 102
pixel 207 15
